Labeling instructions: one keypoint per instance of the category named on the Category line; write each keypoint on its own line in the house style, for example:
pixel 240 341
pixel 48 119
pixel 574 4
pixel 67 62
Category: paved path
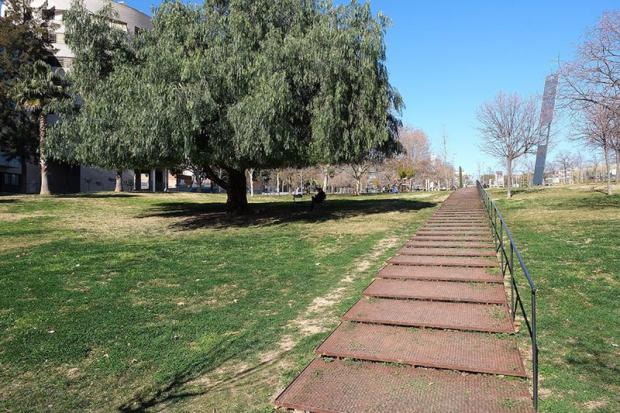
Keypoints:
pixel 430 333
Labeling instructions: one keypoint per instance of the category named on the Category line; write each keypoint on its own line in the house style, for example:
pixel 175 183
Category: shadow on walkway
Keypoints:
pixel 195 215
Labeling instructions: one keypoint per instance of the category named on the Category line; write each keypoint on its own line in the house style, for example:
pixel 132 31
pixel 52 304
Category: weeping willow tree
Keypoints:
pixel 237 85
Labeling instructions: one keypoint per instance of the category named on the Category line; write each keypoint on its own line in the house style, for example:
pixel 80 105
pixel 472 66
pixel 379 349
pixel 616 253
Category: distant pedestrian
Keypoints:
pixel 318 198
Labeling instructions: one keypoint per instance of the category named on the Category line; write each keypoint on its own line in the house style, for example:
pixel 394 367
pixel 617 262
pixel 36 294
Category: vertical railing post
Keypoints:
pixel 495 228
pixel 534 353
pixel 502 249
pixel 513 304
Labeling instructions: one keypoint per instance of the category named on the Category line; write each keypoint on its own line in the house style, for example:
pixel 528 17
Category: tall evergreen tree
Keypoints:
pixel 23 40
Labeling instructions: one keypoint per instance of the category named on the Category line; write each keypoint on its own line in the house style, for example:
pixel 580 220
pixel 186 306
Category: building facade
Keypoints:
pixel 64 178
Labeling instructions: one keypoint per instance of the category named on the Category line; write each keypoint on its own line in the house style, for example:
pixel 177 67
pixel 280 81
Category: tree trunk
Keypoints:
pixel 45 189
pixel 617 165
pixel 509 173
pixel 278 183
pixel 119 182
pixel 606 152
pixel 236 197
pixel 325 182
pixel 251 175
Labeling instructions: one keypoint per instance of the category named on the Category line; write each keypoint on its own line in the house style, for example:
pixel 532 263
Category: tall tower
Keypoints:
pixel 546 116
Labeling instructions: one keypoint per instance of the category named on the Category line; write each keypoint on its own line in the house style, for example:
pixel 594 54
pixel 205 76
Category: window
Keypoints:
pixel 119 25
pixel 65 62
pixel 48 14
pixel 57 38
pixel 11 179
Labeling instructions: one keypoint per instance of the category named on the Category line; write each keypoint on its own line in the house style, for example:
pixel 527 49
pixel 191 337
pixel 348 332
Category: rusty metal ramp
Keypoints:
pixel 436 314
pixel 475 226
pixel 442 251
pixel 443 261
pixel 362 387
pixel 482 229
pixel 411 272
pixel 449 244
pixel 471 292
pixel 454 350
pixel 453 237
pixel 432 333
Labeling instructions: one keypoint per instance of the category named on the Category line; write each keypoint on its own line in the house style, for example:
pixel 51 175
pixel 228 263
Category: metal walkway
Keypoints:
pixel 432 333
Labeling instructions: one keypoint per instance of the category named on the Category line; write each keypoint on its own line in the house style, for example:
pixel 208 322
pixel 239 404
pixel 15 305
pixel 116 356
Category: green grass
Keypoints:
pixel 570 240
pixel 162 302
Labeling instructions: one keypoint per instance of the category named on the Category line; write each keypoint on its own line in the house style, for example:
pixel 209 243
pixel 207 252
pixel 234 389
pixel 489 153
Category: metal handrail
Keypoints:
pixel 500 231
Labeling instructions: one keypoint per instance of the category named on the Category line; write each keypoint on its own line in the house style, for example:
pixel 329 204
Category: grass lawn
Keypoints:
pixel 150 302
pixel 160 302
pixel 570 240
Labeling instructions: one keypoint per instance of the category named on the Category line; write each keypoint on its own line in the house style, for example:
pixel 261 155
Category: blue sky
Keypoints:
pixel 448 57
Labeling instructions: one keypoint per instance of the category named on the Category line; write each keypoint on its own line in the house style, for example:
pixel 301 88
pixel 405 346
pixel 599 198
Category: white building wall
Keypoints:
pixel 130 20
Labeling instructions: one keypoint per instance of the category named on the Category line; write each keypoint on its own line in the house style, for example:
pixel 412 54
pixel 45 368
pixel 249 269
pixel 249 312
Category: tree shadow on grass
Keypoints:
pixel 96 195
pixel 183 385
pixel 195 215
pixel 591 203
pixel 7 201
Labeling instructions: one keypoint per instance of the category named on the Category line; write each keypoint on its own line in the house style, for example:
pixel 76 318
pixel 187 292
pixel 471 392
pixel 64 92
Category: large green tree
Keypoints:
pixel 95 137
pixel 23 40
pixel 38 91
pixel 241 84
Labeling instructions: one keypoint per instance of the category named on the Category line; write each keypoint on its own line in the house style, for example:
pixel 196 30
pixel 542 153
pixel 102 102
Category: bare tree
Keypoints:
pixel 359 169
pixel 529 164
pixel 198 173
pixel 578 159
pixel 595 163
pixel 593 78
pixel 508 127
pixel 598 127
pixel 591 83
pixel 415 144
pixel 565 161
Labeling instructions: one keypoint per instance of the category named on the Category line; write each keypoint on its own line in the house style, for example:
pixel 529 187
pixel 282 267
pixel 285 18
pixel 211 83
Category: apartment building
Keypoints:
pixel 64 178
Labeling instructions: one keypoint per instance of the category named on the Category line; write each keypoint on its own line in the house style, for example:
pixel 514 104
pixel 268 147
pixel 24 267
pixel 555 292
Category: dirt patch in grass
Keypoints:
pixel 595 404
pixel 308 323
pixel 318 317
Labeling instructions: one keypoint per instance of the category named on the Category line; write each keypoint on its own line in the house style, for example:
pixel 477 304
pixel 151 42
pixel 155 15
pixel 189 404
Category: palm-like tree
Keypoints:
pixel 37 90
